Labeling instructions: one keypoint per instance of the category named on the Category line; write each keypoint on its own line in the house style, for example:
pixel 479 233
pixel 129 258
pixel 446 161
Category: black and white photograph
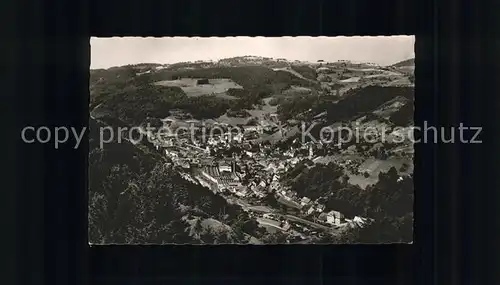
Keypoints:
pixel 251 140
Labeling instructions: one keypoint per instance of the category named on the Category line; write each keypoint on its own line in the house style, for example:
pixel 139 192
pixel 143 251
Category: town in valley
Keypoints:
pixel 224 159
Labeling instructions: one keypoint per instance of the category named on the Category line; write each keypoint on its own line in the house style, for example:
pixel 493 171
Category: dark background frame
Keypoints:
pixel 48 68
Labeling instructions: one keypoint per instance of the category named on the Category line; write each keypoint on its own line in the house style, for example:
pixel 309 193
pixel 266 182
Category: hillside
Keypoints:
pixel 162 193
pixel 394 217
pixel 306 71
pixel 408 62
pixel 134 197
pixel 136 104
pixel 131 94
pixel 250 77
pixel 365 100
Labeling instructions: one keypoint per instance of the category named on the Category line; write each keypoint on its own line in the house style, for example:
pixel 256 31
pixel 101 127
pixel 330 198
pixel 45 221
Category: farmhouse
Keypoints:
pixel 202 81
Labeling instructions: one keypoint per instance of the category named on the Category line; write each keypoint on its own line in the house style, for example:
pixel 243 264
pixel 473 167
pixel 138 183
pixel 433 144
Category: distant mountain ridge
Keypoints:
pixel 246 60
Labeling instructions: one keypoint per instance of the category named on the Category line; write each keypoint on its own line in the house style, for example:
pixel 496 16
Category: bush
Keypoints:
pixel 274 101
pixel 403 116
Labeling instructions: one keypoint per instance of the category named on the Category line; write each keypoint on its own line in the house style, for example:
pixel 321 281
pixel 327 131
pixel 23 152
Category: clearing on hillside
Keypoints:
pixel 351 80
pixel 193 88
pixel 375 166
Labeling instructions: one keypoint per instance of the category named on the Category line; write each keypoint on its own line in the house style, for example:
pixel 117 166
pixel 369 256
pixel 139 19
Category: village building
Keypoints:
pixel 335 218
pixel 320 208
pixel 310 210
pixel 304 201
pixel 224 167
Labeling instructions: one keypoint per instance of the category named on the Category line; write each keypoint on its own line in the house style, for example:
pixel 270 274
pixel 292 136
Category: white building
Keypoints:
pixel 209 177
pixel 171 153
pixel 335 218
pixel 224 167
pixel 238 138
pixel 304 201
pixel 286 226
pixel 310 211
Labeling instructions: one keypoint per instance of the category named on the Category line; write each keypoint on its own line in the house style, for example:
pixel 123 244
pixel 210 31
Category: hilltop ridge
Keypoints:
pixel 260 60
pixel 403 63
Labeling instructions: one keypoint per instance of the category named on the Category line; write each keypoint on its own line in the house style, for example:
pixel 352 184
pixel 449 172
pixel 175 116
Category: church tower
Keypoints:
pixel 233 163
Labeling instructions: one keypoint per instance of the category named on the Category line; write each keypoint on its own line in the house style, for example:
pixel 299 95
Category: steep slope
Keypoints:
pixel 132 97
pixel 134 197
pixel 365 100
pixel 250 77
pixel 305 71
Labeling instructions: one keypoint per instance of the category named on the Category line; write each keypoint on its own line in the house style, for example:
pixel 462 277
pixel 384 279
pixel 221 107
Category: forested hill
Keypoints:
pixel 408 62
pixel 389 202
pixel 130 95
pixel 134 197
pixel 366 100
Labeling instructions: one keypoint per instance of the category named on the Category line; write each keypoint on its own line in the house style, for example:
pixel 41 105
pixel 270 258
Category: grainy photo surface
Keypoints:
pixel 241 140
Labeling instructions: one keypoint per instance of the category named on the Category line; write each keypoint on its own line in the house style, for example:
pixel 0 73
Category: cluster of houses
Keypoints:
pixel 254 172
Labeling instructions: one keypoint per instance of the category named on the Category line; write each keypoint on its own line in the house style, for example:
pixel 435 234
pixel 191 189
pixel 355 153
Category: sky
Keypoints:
pixel 117 51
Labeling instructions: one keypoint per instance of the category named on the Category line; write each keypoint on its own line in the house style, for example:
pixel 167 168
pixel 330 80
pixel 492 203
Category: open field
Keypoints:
pixel 338 158
pixel 390 107
pixel 380 75
pixel 216 87
pixel 291 71
pixel 407 69
pixel 399 82
pixel 263 113
pixel 374 167
pixel 296 90
pixel 351 80
pixel 232 121
pixel 371 165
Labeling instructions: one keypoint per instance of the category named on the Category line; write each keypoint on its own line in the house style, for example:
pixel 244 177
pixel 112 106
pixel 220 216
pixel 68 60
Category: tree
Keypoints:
pixel 345 179
pixel 270 200
pixel 209 236
pixel 278 237
pixel 177 229
pixel 97 217
pixel 250 226
pixel 238 230
pixel 404 167
pixel 221 237
pixel 328 238
pixel 384 230
pixel 197 228
pixel 252 121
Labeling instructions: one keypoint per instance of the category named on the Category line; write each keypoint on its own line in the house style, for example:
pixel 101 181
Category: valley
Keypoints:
pixel 256 178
